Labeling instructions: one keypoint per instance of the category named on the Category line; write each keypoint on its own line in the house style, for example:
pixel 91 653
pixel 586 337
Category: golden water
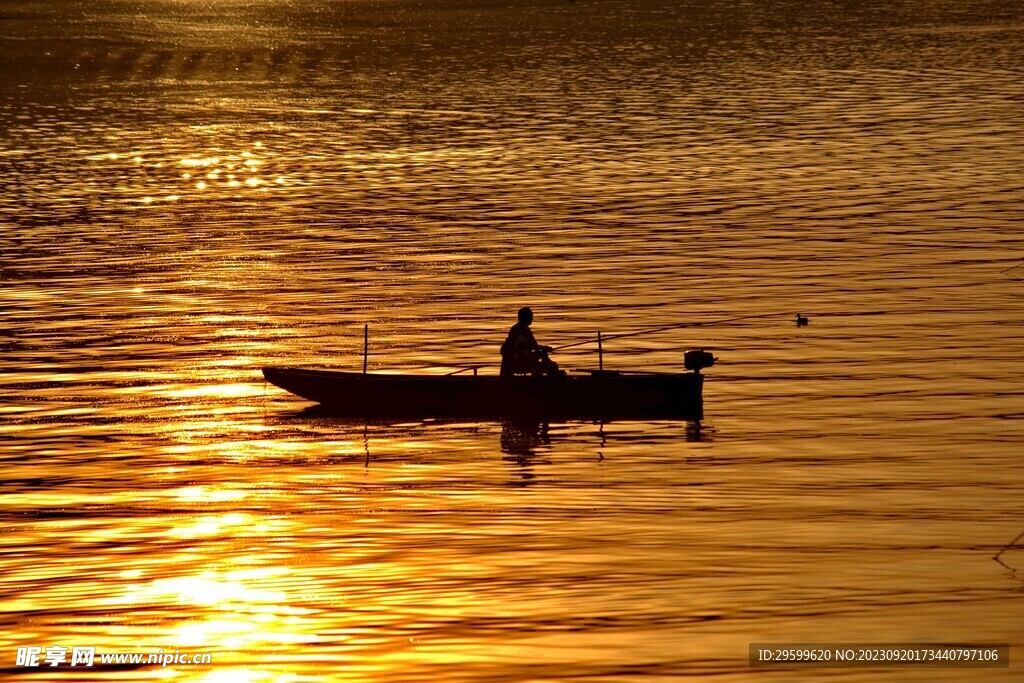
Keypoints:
pixel 192 191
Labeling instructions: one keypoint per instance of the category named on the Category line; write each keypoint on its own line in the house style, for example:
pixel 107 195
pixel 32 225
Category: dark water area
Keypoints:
pixel 193 190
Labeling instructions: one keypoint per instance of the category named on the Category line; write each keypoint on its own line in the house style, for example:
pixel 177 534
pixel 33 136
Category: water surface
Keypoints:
pixel 192 191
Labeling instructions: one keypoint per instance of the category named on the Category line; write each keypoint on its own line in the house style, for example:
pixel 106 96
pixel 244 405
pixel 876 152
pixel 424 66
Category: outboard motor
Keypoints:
pixel 698 360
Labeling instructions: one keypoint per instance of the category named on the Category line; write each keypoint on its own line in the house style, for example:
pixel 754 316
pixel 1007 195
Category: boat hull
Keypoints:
pixel 597 395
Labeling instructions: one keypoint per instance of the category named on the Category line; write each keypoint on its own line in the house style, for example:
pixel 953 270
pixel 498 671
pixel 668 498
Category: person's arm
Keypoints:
pixel 534 346
pixel 531 341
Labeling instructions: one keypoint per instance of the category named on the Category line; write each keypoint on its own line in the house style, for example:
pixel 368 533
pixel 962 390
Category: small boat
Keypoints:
pixel 593 394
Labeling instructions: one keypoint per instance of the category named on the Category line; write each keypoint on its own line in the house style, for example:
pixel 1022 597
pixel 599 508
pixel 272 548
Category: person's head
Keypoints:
pixel 525 315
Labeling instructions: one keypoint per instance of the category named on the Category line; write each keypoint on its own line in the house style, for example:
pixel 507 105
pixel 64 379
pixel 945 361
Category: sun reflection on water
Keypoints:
pixel 147 183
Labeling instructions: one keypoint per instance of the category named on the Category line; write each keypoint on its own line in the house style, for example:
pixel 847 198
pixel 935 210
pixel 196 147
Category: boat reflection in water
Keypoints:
pixel 525 442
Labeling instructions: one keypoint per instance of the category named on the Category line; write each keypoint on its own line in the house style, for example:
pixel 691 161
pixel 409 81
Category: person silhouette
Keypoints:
pixel 522 355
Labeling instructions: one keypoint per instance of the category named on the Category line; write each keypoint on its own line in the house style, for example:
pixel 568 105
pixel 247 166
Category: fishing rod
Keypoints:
pixel 1006 547
pixel 600 339
pixel 1013 267
pixel 474 368
pixel 662 328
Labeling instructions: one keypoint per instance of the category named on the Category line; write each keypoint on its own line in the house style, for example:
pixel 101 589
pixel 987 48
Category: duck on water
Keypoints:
pixel 530 384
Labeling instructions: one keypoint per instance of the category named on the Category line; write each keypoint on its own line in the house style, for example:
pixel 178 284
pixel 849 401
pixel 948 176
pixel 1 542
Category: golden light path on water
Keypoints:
pixel 193 191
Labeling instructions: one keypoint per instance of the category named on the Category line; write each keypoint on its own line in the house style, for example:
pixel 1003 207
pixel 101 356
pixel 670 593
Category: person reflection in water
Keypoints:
pixel 522 355
pixel 520 440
